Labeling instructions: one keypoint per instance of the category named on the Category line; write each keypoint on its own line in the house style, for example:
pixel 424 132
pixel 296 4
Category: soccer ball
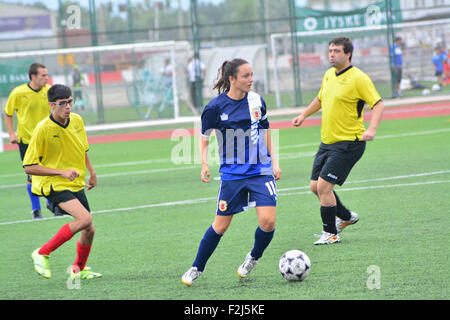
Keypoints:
pixel 294 265
pixel 435 87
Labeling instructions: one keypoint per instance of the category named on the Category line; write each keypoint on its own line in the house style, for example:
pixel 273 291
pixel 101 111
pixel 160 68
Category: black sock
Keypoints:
pixel 342 211
pixel 328 215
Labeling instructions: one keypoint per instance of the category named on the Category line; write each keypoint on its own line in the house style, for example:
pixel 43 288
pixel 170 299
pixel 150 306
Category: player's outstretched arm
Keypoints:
pixel 313 107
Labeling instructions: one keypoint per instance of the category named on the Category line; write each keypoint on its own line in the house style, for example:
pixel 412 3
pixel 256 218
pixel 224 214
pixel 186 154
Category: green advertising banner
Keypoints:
pixel 12 74
pixel 374 14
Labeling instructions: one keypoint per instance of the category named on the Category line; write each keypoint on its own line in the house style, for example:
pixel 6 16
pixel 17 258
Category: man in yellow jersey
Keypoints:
pixel 29 102
pixel 57 158
pixel 344 92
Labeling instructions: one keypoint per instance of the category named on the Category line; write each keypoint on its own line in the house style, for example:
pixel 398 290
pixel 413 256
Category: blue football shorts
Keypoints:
pixel 237 195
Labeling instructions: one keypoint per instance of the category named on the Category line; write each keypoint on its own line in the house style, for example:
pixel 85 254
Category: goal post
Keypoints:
pixel 133 79
pixel 371 53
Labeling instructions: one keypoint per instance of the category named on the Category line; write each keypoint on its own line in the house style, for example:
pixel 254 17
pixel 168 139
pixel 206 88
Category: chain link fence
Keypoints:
pixel 285 41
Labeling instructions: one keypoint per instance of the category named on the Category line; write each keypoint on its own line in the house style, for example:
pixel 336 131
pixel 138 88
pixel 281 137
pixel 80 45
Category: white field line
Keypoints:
pixel 106 165
pixel 117 174
pixel 133 163
pixel 285 155
pixel 373 187
pixel 424 174
pixel 411 134
pixel 376 138
pixel 143 172
pixel 312 144
pixel 202 200
pixel 139 172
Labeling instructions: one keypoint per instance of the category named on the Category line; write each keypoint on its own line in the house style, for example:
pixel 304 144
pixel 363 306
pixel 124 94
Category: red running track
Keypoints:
pixel 415 111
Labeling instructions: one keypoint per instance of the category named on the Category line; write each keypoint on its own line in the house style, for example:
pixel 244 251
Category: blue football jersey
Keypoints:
pixel 239 126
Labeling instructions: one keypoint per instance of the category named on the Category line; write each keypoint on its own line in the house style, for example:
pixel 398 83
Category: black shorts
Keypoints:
pixel 333 162
pixel 57 197
pixel 22 150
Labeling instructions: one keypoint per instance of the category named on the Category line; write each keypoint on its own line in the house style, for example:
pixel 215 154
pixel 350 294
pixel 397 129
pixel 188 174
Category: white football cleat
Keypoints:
pixel 342 224
pixel 328 238
pixel 190 275
pixel 248 265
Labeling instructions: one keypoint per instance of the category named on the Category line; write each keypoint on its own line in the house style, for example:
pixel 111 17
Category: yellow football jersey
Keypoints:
pixel 58 147
pixel 343 97
pixel 31 107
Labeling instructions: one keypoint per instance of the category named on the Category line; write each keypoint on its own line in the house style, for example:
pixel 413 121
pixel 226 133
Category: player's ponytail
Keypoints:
pixel 228 68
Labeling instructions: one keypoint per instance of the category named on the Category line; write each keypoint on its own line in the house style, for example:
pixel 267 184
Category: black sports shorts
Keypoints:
pixel 22 150
pixel 333 162
pixel 57 197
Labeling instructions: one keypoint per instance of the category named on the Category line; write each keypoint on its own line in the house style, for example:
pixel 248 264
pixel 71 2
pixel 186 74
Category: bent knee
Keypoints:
pixel 324 188
pixel 220 229
pixel 86 222
pixel 90 229
pixel 267 224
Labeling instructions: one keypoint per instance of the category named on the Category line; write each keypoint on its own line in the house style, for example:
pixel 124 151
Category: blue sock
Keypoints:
pixel 262 240
pixel 35 203
pixel 206 248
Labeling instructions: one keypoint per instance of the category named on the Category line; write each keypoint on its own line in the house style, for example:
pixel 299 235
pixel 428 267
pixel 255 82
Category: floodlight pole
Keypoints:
pixel 133 53
pixel 97 64
pixel 391 41
pixel 266 49
pixel 130 21
pixel 295 53
pixel 196 47
pixel 62 26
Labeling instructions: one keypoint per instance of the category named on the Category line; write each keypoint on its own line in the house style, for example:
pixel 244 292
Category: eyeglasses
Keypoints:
pixel 64 103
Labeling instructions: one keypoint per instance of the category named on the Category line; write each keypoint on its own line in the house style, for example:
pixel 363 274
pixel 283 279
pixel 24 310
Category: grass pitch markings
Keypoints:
pixel 202 200
pixel 285 155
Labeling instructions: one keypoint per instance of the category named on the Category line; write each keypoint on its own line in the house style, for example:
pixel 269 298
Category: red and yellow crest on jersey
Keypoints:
pixel 256 113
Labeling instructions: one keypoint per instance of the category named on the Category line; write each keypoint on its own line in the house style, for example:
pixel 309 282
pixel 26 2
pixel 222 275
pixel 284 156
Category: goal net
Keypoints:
pixel 371 54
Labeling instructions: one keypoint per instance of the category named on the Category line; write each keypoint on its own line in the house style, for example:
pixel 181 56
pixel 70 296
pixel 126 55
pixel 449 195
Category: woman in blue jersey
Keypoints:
pixel 248 165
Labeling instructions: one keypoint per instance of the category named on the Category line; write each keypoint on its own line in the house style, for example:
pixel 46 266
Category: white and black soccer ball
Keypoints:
pixel 294 265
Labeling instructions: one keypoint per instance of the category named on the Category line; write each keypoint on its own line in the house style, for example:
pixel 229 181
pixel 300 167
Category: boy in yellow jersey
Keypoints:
pixel 57 158
pixel 29 102
pixel 344 92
